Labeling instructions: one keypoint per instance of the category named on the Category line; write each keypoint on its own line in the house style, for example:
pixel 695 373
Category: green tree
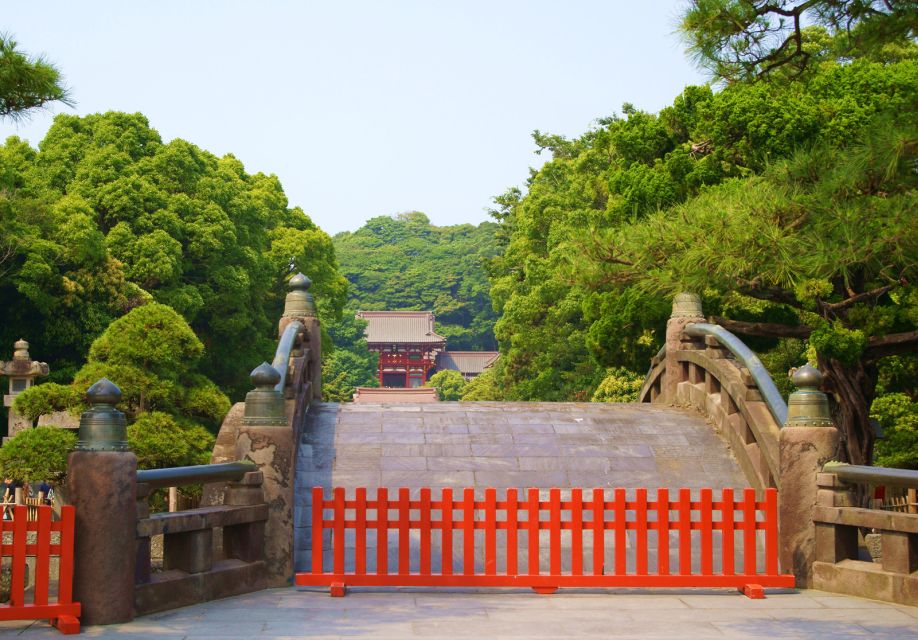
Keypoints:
pixel 106 216
pixel 406 263
pixel 449 384
pixel 160 441
pixel 27 83
pixel 45 398
pixel 619 385
pixel 483 387
pixel 746 39
pixel 37 454
pixel 348 364
pixel 153 356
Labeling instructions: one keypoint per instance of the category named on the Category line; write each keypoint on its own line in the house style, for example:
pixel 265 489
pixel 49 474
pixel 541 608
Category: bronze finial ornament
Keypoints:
pixel 299 302
pixel 264 405
pixel 103 427
pixel 808 406
pixel 687 305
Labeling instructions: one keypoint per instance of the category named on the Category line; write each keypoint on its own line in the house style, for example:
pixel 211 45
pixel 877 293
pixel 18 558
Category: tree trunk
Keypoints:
pixel 853 388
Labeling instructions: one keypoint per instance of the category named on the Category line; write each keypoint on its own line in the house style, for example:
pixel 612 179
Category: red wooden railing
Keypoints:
pixel 675 519
pixel 32 538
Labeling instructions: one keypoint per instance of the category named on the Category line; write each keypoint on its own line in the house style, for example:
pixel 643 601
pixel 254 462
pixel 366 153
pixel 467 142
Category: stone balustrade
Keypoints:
pixel 195 568
pixel 840 566
pixel 699 371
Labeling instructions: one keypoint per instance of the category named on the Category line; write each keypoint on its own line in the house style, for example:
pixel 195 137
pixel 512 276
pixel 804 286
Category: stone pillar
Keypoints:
pixel 21 371
pixel 686 309
pixel 300 306
pixel 102 478
pixel 266 438
pixel 808 440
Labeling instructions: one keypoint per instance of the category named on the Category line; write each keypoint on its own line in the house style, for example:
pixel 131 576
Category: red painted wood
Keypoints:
pixel 685 531
pixel 490 532
pixel 512 526
pixel 748 581
pixel 360 531
pixel 382 531
pixel 425 531
pixel 65 573
pixel 599 531
pixel 338 541
pixel 771 531
pixel 749 531
pixel 554 532
pixel 640 526
pixel 663 531
pixel 620 532
pixel 446 531
pixel 318 499
pixel 532 511
pixel 468 533
pixel 577 532
pixel 707 532
pixel 42 557
pixel 726 543
pixel 404 539
pixel 63 613
pixel 17 574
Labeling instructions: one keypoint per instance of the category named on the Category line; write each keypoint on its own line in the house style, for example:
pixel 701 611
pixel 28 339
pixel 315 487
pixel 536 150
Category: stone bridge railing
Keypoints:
pixel 266 428
pixel 710 369
pixel 241 538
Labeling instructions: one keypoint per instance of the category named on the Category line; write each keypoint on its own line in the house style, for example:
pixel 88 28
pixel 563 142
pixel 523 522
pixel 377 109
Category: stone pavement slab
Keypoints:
pixel 429 613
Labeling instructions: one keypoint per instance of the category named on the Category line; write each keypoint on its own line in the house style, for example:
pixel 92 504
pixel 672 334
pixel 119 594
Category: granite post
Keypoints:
pixel 686 309
pixel 808 440
pixel 102 479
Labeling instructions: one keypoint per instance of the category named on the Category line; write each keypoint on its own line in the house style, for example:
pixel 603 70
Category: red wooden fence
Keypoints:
pixel 668 518
pixel 32 538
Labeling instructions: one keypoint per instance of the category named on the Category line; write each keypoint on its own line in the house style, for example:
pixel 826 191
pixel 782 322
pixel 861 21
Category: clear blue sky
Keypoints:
pixel 363 108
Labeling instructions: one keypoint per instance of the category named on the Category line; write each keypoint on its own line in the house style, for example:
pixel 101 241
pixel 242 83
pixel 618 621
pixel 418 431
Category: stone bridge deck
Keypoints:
pixel 501 445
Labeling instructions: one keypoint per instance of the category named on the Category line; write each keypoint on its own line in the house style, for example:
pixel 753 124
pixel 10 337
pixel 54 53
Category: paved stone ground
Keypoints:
pixel 684 614
pixel 501 445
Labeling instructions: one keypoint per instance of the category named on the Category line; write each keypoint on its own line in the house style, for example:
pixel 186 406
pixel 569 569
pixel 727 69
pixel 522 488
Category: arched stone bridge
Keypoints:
pixel 703 421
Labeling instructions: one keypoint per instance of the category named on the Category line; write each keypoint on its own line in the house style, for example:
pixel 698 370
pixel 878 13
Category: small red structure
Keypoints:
pixel 407 345
pixel 529 515
pixel 63 614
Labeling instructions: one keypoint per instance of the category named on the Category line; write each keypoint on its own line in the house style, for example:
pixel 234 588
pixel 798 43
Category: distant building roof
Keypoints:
pixel 466 362
pixel 414 327
pixel 374 395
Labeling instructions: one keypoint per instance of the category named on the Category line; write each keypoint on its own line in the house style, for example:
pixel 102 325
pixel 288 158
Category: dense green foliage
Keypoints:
pixel 787 203
pixel 159 441
pixel 348 363
pixel 619 385
pixel 46 398
pixel 105 216
pixel 743 39
pixel 38 454
pixel 154 357
pixel 450 385
pixel 26 83
pixel 897 414
pixel 404 263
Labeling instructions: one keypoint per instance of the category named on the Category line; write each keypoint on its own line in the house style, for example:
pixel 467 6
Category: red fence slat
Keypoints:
pixel 478 571
pixel 31 530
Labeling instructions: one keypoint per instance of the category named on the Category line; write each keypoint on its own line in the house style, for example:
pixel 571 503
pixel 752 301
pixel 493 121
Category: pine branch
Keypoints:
pixel 763 329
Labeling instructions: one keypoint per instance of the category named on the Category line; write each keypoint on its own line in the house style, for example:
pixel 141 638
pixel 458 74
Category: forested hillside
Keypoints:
pixel 787 201
pixel 405 263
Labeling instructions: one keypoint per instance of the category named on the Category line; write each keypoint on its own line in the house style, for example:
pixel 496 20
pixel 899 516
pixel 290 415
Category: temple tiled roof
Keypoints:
pixel 466 362
pixel 413 327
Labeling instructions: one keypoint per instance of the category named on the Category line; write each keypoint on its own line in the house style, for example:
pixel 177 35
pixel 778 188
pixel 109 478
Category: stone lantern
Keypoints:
pixel 21 371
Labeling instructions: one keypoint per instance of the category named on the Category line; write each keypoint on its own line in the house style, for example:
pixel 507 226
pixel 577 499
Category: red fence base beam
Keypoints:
pixel 673 523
